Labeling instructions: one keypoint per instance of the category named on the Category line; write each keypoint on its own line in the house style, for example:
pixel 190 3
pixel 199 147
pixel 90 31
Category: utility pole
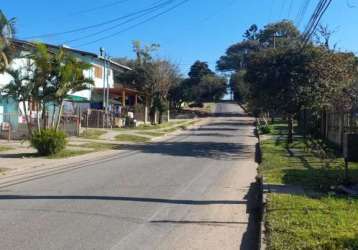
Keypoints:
pixel 107 58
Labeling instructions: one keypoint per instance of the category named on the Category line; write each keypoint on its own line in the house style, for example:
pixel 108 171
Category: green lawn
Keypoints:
pixel 152 133
pixel 4 148
pixel 69 153
pixel 92 134
pixel 298 222
pixel 319 220
pixel 131 138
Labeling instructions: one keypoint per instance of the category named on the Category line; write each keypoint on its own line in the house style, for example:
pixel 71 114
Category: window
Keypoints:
pixel 98 72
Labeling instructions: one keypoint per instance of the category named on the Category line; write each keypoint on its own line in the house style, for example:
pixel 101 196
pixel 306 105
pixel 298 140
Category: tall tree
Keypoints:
pixel 20 89
pixel 7 32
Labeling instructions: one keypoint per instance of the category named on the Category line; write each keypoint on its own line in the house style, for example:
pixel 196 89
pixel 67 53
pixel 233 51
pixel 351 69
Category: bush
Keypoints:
pixel 49 141
pixel 265 129
pixel 196 105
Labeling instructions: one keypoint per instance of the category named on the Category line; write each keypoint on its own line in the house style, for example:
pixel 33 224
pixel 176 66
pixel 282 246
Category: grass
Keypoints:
pixel 4 148
pixel 152 133
pixel 93 134
pixel 298 164
pixel 299 222
pixel 66 153
pixel 131 138
pixel 319 220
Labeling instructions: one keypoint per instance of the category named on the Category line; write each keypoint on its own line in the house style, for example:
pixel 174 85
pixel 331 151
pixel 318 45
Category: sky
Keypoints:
pixel 187 30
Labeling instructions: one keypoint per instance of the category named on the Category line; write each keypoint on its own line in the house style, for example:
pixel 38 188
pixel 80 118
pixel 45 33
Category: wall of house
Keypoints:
pixel 90 73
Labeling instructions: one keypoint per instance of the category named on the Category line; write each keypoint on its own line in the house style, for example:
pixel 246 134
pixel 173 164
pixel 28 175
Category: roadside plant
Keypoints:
pixel 48 141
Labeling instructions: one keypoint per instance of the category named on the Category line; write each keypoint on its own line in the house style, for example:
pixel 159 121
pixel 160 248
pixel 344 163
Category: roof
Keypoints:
pixel 51 47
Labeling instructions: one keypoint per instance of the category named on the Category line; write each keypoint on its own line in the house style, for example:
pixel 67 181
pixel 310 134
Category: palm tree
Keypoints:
pixel 7 32
pixel 20 89
pixel 67 78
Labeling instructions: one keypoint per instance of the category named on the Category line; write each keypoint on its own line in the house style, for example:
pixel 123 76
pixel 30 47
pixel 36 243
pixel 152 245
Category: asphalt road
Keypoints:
pixel 194 191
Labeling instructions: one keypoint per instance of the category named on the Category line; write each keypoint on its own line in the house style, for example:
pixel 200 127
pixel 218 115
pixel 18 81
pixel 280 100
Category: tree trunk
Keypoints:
pixel 38 117
pixel 53 116
pixel 290 129
pixel 44 118
pixel 28 122
pixel 304 124
pixel 59 116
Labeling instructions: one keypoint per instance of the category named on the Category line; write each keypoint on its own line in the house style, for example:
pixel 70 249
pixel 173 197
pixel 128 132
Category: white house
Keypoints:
pixel 102 73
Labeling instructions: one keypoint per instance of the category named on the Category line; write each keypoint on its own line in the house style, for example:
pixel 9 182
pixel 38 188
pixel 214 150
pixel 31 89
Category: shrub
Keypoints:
pixel 265 129
pixel 49 141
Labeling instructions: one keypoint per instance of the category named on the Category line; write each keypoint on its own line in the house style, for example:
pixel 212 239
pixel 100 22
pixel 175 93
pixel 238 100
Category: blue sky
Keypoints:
pixel 197 29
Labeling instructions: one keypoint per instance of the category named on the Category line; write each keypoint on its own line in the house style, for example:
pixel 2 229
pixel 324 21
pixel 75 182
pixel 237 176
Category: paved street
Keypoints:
pixel 193 191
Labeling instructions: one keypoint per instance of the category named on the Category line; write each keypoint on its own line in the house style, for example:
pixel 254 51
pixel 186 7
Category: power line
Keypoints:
pixel 135 25
pixel 156 5
pixel 104 6
pixel 302 12
pixel 290 9
pixel 316 17
pixel 115 26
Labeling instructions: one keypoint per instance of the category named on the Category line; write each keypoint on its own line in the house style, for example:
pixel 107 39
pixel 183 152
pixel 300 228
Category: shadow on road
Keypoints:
pixel 251 238
pixel 211 150
pixel 120 198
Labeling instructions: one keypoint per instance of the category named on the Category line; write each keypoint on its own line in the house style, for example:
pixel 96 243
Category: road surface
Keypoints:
pixel 193 191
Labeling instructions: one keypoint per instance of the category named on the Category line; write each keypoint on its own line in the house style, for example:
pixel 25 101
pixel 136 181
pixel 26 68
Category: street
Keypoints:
pixel 195 190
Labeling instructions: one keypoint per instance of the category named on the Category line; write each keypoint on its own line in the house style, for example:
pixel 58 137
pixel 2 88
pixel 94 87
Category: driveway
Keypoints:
pixel 194 191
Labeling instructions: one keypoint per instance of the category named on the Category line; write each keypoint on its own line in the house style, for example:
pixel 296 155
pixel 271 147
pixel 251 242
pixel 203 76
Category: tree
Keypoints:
pixel 20 89
pixel 202 85
pixel 210 88
pixel 289 80
pixel 7 32
pixel 153 77
pixel 239 86
pixel 47 78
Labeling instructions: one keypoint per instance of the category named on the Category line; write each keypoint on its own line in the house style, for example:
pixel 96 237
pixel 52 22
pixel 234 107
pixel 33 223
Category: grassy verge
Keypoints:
pixel 320 219
pixel 69 153
pixel 3 148
pixel 131 138
pixel 298 222
pixel 92 134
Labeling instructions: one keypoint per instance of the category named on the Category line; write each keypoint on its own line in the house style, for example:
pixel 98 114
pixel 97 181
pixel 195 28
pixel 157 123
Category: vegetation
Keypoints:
pixel 49 141
pixel 153 77
pixel 202 85
pixel 66 153
pixel 320 219
pixel 302 222
pixel 7 32
pixel 131 138
pixel 3 148
pixel 275 74
pixel 46 79
pixel 302 162
pixel 92 134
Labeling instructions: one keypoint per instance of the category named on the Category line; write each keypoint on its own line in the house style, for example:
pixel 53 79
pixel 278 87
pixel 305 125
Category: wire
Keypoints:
pixel 113 27
pixel 302 12
pixel 156 5
pixel 135 25
pixel 104 6
pixel 289 9
pixel 316 17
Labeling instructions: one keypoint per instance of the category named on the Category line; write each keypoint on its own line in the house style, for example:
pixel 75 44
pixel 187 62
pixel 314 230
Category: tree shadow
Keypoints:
pixel 207 134
pixel 20 155
pixel 214 129
pixel 211 150
pixel 122 198
pixel 251 238
pixel 318 179
pixel 236 123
